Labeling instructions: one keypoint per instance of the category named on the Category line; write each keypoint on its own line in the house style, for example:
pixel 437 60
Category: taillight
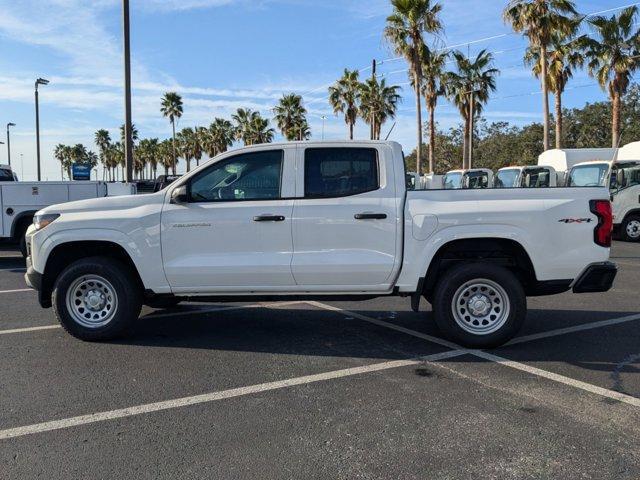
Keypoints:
pixel 602 232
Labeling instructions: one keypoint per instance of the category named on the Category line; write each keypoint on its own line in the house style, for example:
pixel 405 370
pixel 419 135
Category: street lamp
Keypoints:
pixel 9 142
pixel 323 119
pixel 39 81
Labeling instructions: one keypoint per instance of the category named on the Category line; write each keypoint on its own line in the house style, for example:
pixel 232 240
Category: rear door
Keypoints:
pixel 346 225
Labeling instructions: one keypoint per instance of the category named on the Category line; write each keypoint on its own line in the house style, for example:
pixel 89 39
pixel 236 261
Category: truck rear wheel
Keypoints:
pixel 631 228
pixel 96 299
pixel 479 305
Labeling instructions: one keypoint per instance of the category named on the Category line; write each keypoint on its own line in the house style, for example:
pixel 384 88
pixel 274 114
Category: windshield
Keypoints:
pixel 588 175
pixel 477 180
pixel 6 175
pixel 507 178
pixel 536 178
pixel 625 175
pixel 452 181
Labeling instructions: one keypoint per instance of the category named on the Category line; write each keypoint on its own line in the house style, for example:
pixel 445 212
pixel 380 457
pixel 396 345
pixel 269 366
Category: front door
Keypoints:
pixel 234 233
pixel 345 230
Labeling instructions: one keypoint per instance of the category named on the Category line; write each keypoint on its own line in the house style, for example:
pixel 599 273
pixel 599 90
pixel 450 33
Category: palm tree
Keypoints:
pixel 219 138
pixel 165 155
pixel 539 20
pixel 564 54
pixel 201 134
pixel 259 131
pixel 103 140
pixel 171 108
pixel 188 145
pixel 344 97
pixel 613 58
pixel 243 118
pixel 378 103
pixel 405 30
pixel 135 135
pixel 61 153
pixel 469 89
pixel 290 116
pixel 432 88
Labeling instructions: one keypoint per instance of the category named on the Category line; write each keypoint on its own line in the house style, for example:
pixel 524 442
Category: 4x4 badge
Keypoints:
pixel 576 220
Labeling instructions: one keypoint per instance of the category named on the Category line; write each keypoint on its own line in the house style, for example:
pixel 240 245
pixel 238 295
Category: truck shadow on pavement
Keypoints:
pixel 313 332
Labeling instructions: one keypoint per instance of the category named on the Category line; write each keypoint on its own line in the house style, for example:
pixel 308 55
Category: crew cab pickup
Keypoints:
pixel 329 220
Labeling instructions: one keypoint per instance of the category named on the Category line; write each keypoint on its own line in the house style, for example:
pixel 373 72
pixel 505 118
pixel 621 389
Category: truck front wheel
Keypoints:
pixel 479 305
pixel 96 299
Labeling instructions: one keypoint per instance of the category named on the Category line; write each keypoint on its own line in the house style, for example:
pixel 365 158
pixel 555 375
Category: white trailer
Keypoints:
pixel 19 201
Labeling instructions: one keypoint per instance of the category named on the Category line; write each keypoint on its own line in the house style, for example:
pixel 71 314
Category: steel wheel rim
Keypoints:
pixel 633 228
pixel 480 306
pixel 92 301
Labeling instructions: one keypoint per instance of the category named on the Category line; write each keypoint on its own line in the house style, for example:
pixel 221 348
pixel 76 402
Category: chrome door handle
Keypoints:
pixel 370 216
pixel 268 218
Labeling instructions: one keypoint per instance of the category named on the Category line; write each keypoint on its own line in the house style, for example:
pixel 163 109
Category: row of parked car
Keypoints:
pixel 617 169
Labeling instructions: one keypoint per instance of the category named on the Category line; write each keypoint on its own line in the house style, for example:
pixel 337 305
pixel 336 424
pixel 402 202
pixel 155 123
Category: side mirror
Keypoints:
pixel 179 195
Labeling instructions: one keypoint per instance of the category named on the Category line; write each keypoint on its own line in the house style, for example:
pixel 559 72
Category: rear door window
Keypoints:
pixel 339 172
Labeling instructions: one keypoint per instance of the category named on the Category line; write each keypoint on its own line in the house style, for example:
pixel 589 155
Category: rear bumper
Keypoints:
pixel 597 277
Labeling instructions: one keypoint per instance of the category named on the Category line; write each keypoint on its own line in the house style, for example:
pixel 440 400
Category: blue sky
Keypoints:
pixel 225 54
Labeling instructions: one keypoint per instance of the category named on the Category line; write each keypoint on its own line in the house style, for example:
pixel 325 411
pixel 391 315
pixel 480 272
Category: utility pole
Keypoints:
pixel 471 113
pixel 128 142
pixel 373 117
pixel 9 142
pixel 39 81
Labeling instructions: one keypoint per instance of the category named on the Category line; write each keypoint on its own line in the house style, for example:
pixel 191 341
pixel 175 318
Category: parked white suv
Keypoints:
pixel 330 219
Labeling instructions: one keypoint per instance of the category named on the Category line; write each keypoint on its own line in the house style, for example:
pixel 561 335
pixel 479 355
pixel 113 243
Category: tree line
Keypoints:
pixel 414 30
pixel 501 144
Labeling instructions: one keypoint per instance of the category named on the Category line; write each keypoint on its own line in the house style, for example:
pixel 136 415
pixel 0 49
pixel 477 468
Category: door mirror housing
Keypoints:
pixel 179 195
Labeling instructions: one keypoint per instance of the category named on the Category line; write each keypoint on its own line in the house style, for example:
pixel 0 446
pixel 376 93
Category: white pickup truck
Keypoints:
pixel 329 220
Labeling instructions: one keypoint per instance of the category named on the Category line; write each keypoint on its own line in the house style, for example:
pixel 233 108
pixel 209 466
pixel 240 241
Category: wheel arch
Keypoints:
pixel 505 252
pixel 66 253
pixel 20 219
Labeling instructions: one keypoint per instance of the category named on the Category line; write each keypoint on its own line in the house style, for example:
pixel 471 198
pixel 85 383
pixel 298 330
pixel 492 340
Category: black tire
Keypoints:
pixel 166 302
pixel 460 280
pixel 127 294
pixel 630 228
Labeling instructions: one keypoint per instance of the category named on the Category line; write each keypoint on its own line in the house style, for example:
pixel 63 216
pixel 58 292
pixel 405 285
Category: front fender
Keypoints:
pixel 145 255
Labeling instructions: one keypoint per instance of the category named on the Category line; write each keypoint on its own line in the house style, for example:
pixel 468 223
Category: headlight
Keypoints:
pixel 41 221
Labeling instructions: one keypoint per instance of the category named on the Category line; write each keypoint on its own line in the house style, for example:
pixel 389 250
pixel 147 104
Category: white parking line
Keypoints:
pixel 382 323
pixel 509 363
pixel 577 328
pixel 215 396
pixel 604 392
pixel 152 316
pixel 18 290
pixel 28 329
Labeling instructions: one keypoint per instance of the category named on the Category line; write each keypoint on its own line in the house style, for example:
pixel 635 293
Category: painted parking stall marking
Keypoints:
pixel 220 395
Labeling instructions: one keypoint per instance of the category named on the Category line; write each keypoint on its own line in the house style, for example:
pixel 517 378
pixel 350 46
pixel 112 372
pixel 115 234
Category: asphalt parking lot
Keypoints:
pixel 323 390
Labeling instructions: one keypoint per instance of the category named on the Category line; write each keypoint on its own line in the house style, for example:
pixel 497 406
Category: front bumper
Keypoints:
pixel 33 279
pixel 597 277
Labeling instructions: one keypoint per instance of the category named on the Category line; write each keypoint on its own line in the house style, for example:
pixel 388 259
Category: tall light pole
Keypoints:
pixel 39 81
pixel 323 119
pixel 9 142
pixel 128 142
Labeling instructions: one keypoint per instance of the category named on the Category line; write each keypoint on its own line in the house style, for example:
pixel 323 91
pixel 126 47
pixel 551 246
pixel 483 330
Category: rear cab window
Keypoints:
pixel 340 172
